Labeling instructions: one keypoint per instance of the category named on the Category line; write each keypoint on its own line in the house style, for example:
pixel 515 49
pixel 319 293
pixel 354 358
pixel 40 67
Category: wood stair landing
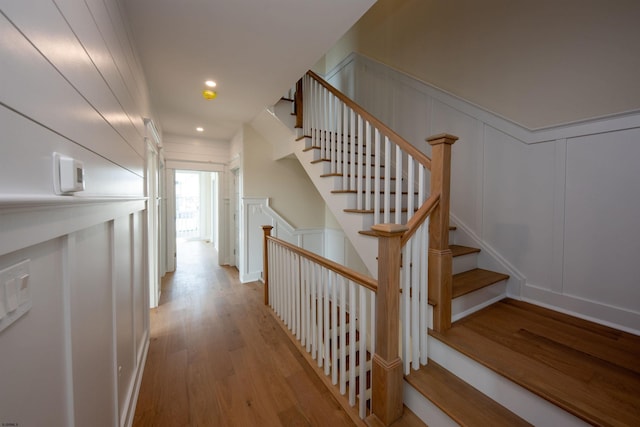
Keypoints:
pixel 589 370
pixel 461 402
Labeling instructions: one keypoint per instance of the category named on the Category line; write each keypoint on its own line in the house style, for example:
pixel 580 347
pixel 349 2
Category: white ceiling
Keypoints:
pixel 254 49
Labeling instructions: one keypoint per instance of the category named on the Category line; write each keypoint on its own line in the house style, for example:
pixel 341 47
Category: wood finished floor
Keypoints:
pixel 589 370
pixel 217 357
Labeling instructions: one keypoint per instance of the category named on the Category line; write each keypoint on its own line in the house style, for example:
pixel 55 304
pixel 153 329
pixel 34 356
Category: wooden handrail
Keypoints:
pixel 361 279
pixel 384 129
pixel 420 216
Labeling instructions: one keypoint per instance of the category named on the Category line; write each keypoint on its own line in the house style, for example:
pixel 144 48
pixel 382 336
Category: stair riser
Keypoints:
pixel 352 200
pixel 465 305
pixel 338 183
pixel 520 401
pixel 465 262
pixel 369 170
pixel 367 220
pixel 424 409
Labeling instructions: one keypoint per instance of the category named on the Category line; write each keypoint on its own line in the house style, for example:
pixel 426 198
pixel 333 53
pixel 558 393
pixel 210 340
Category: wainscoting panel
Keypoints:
pixel 547 205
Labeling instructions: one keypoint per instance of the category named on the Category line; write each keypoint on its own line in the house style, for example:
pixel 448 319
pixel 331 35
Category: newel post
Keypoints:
pixel 298 104
pixel 266 229
pixel 440 259
pixel 387 365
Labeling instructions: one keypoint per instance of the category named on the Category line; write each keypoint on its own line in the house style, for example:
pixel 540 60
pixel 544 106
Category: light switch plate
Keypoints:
pixel 15 293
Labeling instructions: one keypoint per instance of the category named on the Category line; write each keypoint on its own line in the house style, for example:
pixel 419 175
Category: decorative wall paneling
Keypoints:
pixel 77 356
pixel 256 212
pixel 542 204
pixel 71 83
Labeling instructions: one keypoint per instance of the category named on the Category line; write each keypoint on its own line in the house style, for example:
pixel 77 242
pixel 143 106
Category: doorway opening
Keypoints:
pixel 196 208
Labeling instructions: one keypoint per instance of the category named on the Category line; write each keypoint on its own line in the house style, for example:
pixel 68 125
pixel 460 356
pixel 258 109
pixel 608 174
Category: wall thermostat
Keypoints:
pixel 69 174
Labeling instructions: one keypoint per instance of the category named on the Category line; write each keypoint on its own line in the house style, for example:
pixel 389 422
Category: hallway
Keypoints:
pixel 217 357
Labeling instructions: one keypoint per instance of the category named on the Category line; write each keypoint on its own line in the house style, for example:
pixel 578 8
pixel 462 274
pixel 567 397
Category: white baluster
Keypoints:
pixel 367 162
pixel 352 343
pixel 406 305
pixel 410 185
pixel 398 177
pixel 376 193
pixel 424 293
pixel 352 148
pixel 325 336
pixel 387 180
pixel 361 178
pixel 314 314
pixel 363 353
pixel 343 336
pixel 415 302
pixel 334 328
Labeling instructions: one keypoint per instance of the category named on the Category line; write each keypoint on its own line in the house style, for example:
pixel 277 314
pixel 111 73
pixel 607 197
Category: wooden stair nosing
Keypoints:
pixel 459 250
pixel 325 160
pixel 373 233
pixel 370 211
pixel 392 192
pixel 472 280
pixel 338 174
pixel 459 400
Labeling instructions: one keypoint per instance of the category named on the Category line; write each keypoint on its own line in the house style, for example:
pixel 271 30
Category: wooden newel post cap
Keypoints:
pixel 389 229
pixel 443 138
pixel 267 228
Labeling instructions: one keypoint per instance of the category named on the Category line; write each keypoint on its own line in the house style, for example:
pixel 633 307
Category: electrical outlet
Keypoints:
pixel 15 293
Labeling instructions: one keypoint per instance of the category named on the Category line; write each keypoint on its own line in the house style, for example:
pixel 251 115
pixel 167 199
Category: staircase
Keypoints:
pixel 503 362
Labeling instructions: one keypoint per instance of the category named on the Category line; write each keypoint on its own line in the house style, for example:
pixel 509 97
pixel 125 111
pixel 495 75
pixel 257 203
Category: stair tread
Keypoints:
pixel 587 369
pixel 472 280
pixel 463 403
pixel 326 175
pixel 459 250
pixel 404 193
pixel 370 211
pixel 373 233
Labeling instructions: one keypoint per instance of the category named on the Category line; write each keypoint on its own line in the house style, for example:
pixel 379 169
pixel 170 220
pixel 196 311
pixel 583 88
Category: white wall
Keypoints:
pixel 555 208
pixel 71 83
pixel 182 152
pixel 291 191
pixel 540 63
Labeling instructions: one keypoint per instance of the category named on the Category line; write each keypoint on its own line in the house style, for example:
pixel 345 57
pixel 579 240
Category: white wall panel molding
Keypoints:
pixel 25 223
pixel 592 126
pixel 257 212
pixel 540 203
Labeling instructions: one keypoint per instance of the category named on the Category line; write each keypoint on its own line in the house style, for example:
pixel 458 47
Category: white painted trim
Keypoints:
pixel 153 131
pixel 428 412
pixel 31 222
pixel 592 311
pixel 281 229
pixel 195 166
pixel 133 399
pixel 587 126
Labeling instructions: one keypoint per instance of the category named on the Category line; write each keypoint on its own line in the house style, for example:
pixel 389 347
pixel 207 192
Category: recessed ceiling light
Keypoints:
pixel 210 83
pixel 199 129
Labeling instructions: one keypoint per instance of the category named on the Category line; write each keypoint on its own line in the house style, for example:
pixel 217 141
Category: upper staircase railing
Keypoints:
pixel 406 194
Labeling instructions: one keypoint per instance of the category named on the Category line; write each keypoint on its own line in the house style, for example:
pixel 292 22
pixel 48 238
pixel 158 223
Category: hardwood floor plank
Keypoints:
pixel 217 357
pixel 556 357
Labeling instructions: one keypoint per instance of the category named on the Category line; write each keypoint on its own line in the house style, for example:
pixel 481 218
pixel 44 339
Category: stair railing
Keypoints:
pixel 407 195
pixel 331 312
pixel 409 190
